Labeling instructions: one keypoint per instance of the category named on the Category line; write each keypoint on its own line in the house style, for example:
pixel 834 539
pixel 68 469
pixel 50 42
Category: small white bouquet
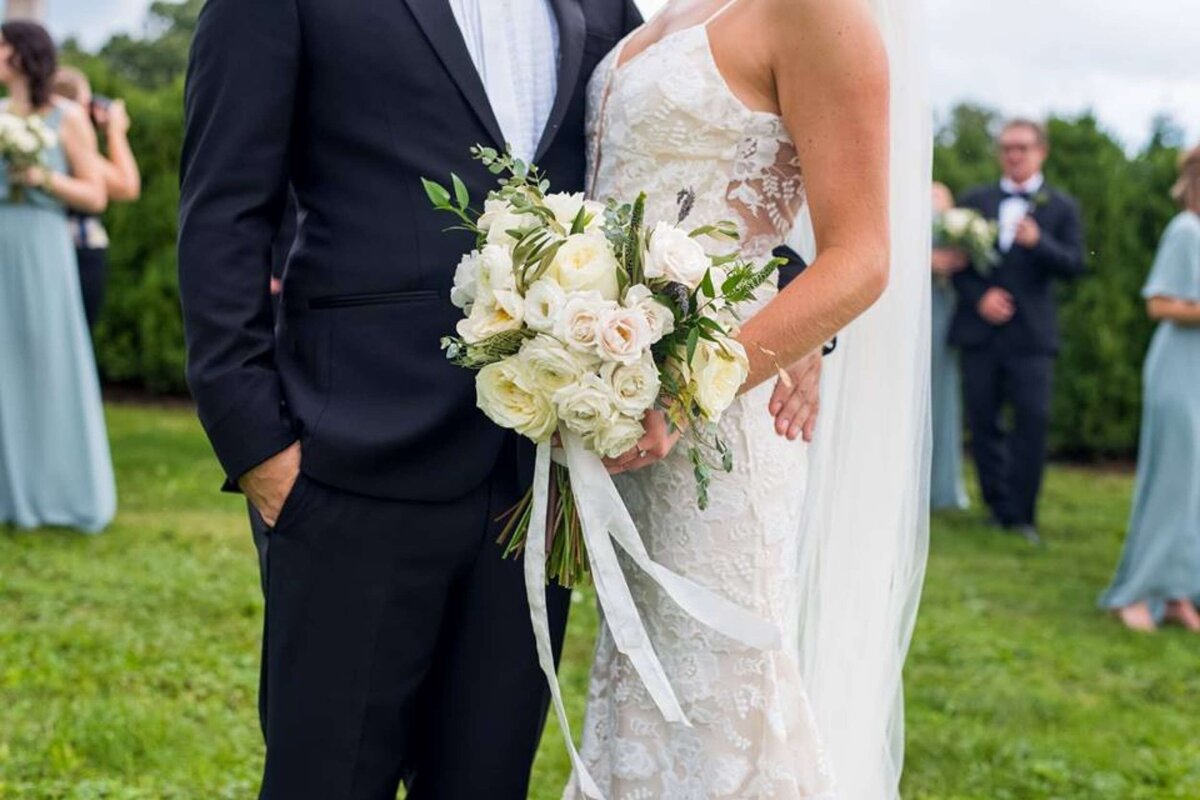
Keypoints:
pixel 24 142
pixel 966 229
pixel 581 320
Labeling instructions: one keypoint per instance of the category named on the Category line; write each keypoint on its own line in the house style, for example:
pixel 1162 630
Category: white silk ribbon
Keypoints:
pixel 604 519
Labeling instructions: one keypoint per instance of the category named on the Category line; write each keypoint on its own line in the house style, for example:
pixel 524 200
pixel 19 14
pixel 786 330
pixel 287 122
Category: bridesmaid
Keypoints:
pixel 55 468
pixel 1159 576
pixel 947 488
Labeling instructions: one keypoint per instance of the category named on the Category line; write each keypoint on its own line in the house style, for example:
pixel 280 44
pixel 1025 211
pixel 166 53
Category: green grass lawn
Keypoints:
pixel 129 662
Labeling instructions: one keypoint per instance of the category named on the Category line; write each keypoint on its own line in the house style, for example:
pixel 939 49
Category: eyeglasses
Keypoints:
pixel 1023 147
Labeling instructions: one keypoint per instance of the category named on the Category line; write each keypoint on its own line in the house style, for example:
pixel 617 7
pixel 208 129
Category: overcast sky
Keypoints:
pixel 1127 59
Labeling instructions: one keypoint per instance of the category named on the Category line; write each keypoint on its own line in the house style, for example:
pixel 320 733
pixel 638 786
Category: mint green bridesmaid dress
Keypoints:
pixel 1161 561
pixel 55 468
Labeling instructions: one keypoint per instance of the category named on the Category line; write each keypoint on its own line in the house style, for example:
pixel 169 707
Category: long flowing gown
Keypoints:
pixel 1161 561
pixel 663 122
pixel 947 487
pixel 55 468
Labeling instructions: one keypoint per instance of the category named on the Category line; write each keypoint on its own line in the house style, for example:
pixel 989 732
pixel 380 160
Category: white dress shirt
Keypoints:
pixel 1014 209
pixel 514 45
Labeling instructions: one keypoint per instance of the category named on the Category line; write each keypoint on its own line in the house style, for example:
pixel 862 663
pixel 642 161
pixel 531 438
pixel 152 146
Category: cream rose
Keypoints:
pixel 624 335
pixel 504 311
pixel 586 262
pixel 566 208
pixel 587 407
pixel 578 326
pixel 635 386
pixel 543 304
pixel 498 219
pixel 503 391
pixel 675 256
pixel 551 366
pixel 718 372
pixel 617 438
pixel 660 318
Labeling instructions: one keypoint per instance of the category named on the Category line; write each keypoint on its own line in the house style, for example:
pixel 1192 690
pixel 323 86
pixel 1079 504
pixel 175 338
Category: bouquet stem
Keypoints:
pixel 566 553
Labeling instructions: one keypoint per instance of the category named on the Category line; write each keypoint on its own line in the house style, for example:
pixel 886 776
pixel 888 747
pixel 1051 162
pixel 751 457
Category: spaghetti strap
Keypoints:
pixel 719 12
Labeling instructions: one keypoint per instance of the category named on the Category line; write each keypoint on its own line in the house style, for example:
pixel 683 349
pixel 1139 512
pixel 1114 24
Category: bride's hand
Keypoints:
pixel 654 446
pixel 795 407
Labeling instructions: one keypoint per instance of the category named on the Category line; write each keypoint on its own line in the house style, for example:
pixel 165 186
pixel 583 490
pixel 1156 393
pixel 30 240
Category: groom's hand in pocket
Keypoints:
pixel 796 401
pixel 657 443
pixel 268 485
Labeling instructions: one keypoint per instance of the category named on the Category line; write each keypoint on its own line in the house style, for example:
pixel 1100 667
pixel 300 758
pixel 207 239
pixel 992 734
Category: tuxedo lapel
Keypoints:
pixel 572 31
pixel 441 29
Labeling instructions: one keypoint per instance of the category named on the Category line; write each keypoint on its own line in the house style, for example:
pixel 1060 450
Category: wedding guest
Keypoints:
pixel 1159 576
pixel 122 178
pixel 55 468
pixel 1006 325
pixel 947 488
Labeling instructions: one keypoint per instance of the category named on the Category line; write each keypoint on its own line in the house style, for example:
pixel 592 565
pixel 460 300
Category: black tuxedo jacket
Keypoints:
pixel 352 102
pixel 1028 274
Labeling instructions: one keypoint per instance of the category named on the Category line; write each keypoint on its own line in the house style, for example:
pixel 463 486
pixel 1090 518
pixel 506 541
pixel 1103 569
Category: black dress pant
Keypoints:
pixel 1011 459
pixel 398 646
pixel 93 272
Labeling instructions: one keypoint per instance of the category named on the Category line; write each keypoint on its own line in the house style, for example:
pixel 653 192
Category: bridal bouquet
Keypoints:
pixel 581 319
pixel 23 144
pixel 966 229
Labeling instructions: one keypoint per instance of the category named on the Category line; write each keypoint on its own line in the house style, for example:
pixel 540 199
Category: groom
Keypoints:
pixel 1006 324
pixel 397 642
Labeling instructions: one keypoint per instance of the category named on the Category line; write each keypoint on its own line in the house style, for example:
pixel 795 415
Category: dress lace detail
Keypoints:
pixel 663 122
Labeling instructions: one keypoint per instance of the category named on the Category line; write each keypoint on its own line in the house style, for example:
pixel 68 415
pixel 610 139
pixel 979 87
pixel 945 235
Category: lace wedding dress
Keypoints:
pixel 662 122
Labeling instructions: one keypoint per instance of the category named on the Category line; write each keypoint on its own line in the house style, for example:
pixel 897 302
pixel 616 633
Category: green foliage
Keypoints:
pixel 139 339
pixel 155 60
pixel 131 659
pixel 1125 203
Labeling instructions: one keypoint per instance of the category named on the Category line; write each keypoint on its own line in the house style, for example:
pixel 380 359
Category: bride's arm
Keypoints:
pixel 830 75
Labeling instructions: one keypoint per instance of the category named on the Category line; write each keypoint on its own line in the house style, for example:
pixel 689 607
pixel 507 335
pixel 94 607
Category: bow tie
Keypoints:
pixel 1026 196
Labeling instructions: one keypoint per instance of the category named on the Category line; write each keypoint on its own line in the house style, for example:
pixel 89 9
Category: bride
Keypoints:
pixel 775 112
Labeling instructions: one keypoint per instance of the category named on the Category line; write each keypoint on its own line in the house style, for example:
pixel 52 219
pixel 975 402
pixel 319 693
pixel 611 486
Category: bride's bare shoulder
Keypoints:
pixel 822 28
pixel 839 39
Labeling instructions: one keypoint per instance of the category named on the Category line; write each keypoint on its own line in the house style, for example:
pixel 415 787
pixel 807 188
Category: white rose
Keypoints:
pixel 624 335
pixel 956 221
pixel 543 304
pixel 618 437
pixel 498 219
pixel 660 318
pixel 496 270
pixel 551 366
pixel 578 326
pixel 503 393
pixel 566 208
pixel 718 372
pixel 466 282
pixel 981 229
pixel 586 262
pixel 503 311
pixel 675 256
pixel 635 386
pixel 587 407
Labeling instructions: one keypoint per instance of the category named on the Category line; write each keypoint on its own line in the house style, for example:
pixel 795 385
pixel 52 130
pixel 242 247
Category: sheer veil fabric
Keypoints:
pixel 865 530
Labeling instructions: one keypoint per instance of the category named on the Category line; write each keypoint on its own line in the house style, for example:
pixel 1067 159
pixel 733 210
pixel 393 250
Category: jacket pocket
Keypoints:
pixel 373 299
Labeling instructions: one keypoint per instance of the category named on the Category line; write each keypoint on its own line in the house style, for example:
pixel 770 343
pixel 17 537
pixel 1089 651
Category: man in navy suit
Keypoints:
pixel 1007 324
pixel 397 643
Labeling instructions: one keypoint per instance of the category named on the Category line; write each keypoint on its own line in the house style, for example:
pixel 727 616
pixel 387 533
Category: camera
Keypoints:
pixel 99 103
